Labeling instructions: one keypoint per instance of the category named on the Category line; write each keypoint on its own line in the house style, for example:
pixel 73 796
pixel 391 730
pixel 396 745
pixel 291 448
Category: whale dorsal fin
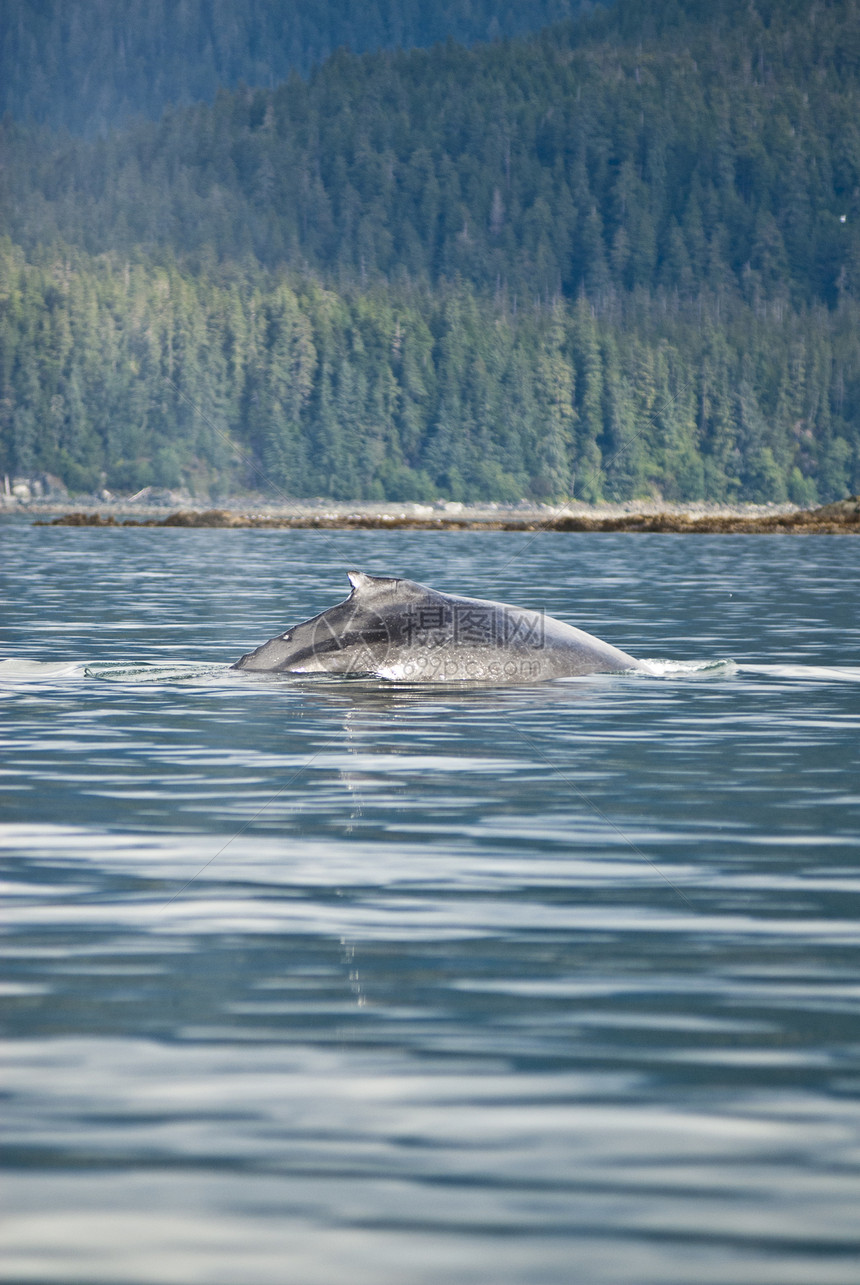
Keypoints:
pixel 364 584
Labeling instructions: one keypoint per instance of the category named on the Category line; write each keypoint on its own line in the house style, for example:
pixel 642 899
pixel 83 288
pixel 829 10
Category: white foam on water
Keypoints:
pixel 17 670
pixel 807 673
pixel 188 671
pixel 20 669
pixel 657 667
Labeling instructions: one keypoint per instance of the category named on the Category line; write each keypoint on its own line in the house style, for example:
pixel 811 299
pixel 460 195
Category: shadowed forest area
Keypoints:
pixel 88 65
pixel 618 258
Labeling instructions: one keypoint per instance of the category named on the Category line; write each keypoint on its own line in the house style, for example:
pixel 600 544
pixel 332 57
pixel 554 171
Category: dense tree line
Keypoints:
pixel 127 375
pixel 88 65
pixel 621 257
pixel 721 154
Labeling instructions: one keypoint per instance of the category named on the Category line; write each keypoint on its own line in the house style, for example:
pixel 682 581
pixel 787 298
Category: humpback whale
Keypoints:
pixel 403 631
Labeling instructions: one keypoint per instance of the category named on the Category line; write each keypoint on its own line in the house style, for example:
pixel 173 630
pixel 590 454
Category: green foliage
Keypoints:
pixel 133 376
pixel 87 65
pixel 802 490
pixel 718 155
pixel 617 259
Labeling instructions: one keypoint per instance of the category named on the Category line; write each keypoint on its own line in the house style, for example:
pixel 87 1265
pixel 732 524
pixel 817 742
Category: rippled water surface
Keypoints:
pixel 320 981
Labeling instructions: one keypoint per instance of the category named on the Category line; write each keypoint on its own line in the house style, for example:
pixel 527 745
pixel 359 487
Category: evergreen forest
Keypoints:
pixel 89 65
pixel 617 258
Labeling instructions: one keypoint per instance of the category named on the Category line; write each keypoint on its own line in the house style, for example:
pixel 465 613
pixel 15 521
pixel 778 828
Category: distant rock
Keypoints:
pixel 841 517
pixel 840 511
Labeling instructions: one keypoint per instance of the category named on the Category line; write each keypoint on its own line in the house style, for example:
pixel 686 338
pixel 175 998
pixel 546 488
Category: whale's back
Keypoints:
pixel 404 631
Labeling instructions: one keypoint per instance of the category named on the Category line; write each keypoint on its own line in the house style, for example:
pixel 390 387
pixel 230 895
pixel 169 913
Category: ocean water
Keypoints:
pixel 311 981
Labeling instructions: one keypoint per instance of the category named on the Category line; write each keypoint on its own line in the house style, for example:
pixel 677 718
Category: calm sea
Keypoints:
pixel 318 981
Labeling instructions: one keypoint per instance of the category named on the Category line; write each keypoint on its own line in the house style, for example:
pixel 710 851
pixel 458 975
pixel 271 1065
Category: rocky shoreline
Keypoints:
pixel 840 518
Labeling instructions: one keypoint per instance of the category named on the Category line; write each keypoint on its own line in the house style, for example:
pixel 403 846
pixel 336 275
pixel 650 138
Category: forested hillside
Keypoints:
pixel 88 65
pixel 619 258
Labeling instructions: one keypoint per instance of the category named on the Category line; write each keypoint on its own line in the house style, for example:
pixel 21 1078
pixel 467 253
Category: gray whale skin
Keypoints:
pixel 405 632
